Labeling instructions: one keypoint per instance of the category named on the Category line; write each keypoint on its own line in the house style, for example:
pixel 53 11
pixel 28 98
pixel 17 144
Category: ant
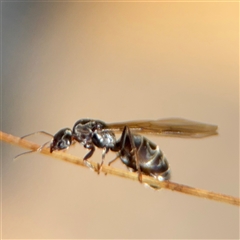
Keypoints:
pixel 137 152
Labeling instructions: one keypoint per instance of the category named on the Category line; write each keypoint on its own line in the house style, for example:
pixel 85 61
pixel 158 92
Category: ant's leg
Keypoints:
pixel 88 155
pixel 115 159
pixel 127 133
pixel 105 150
pixel 134 153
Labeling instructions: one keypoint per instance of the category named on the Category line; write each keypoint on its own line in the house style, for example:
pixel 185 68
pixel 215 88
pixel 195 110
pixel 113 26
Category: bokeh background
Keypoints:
pixel 119 61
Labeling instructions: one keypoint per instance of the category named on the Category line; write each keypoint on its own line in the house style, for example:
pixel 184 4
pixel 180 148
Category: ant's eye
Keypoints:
pixel 60 144
pixel 63 144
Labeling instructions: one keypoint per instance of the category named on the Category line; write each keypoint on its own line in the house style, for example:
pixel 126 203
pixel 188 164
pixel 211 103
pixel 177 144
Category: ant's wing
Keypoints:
pixel 176 127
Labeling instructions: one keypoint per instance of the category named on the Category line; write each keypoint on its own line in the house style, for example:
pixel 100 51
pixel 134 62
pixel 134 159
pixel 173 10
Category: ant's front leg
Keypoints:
pixel 88 155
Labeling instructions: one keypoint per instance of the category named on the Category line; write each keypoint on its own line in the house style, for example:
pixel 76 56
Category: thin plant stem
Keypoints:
pixel 121 173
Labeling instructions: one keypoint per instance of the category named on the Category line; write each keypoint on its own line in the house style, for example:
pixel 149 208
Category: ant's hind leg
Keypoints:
pixel 112 161
pixel 133 151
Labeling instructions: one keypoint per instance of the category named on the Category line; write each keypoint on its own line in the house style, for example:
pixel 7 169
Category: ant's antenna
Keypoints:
pixel 40 148
pixel 34 133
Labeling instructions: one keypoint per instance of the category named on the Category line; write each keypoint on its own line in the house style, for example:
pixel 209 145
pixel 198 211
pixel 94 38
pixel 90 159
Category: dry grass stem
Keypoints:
pixel 121 173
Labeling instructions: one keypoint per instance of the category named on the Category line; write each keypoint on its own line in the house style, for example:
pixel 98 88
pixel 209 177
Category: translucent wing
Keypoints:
pixel 173 127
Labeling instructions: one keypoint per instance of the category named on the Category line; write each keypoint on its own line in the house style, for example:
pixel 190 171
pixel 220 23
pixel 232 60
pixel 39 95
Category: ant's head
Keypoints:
pixel 61 140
